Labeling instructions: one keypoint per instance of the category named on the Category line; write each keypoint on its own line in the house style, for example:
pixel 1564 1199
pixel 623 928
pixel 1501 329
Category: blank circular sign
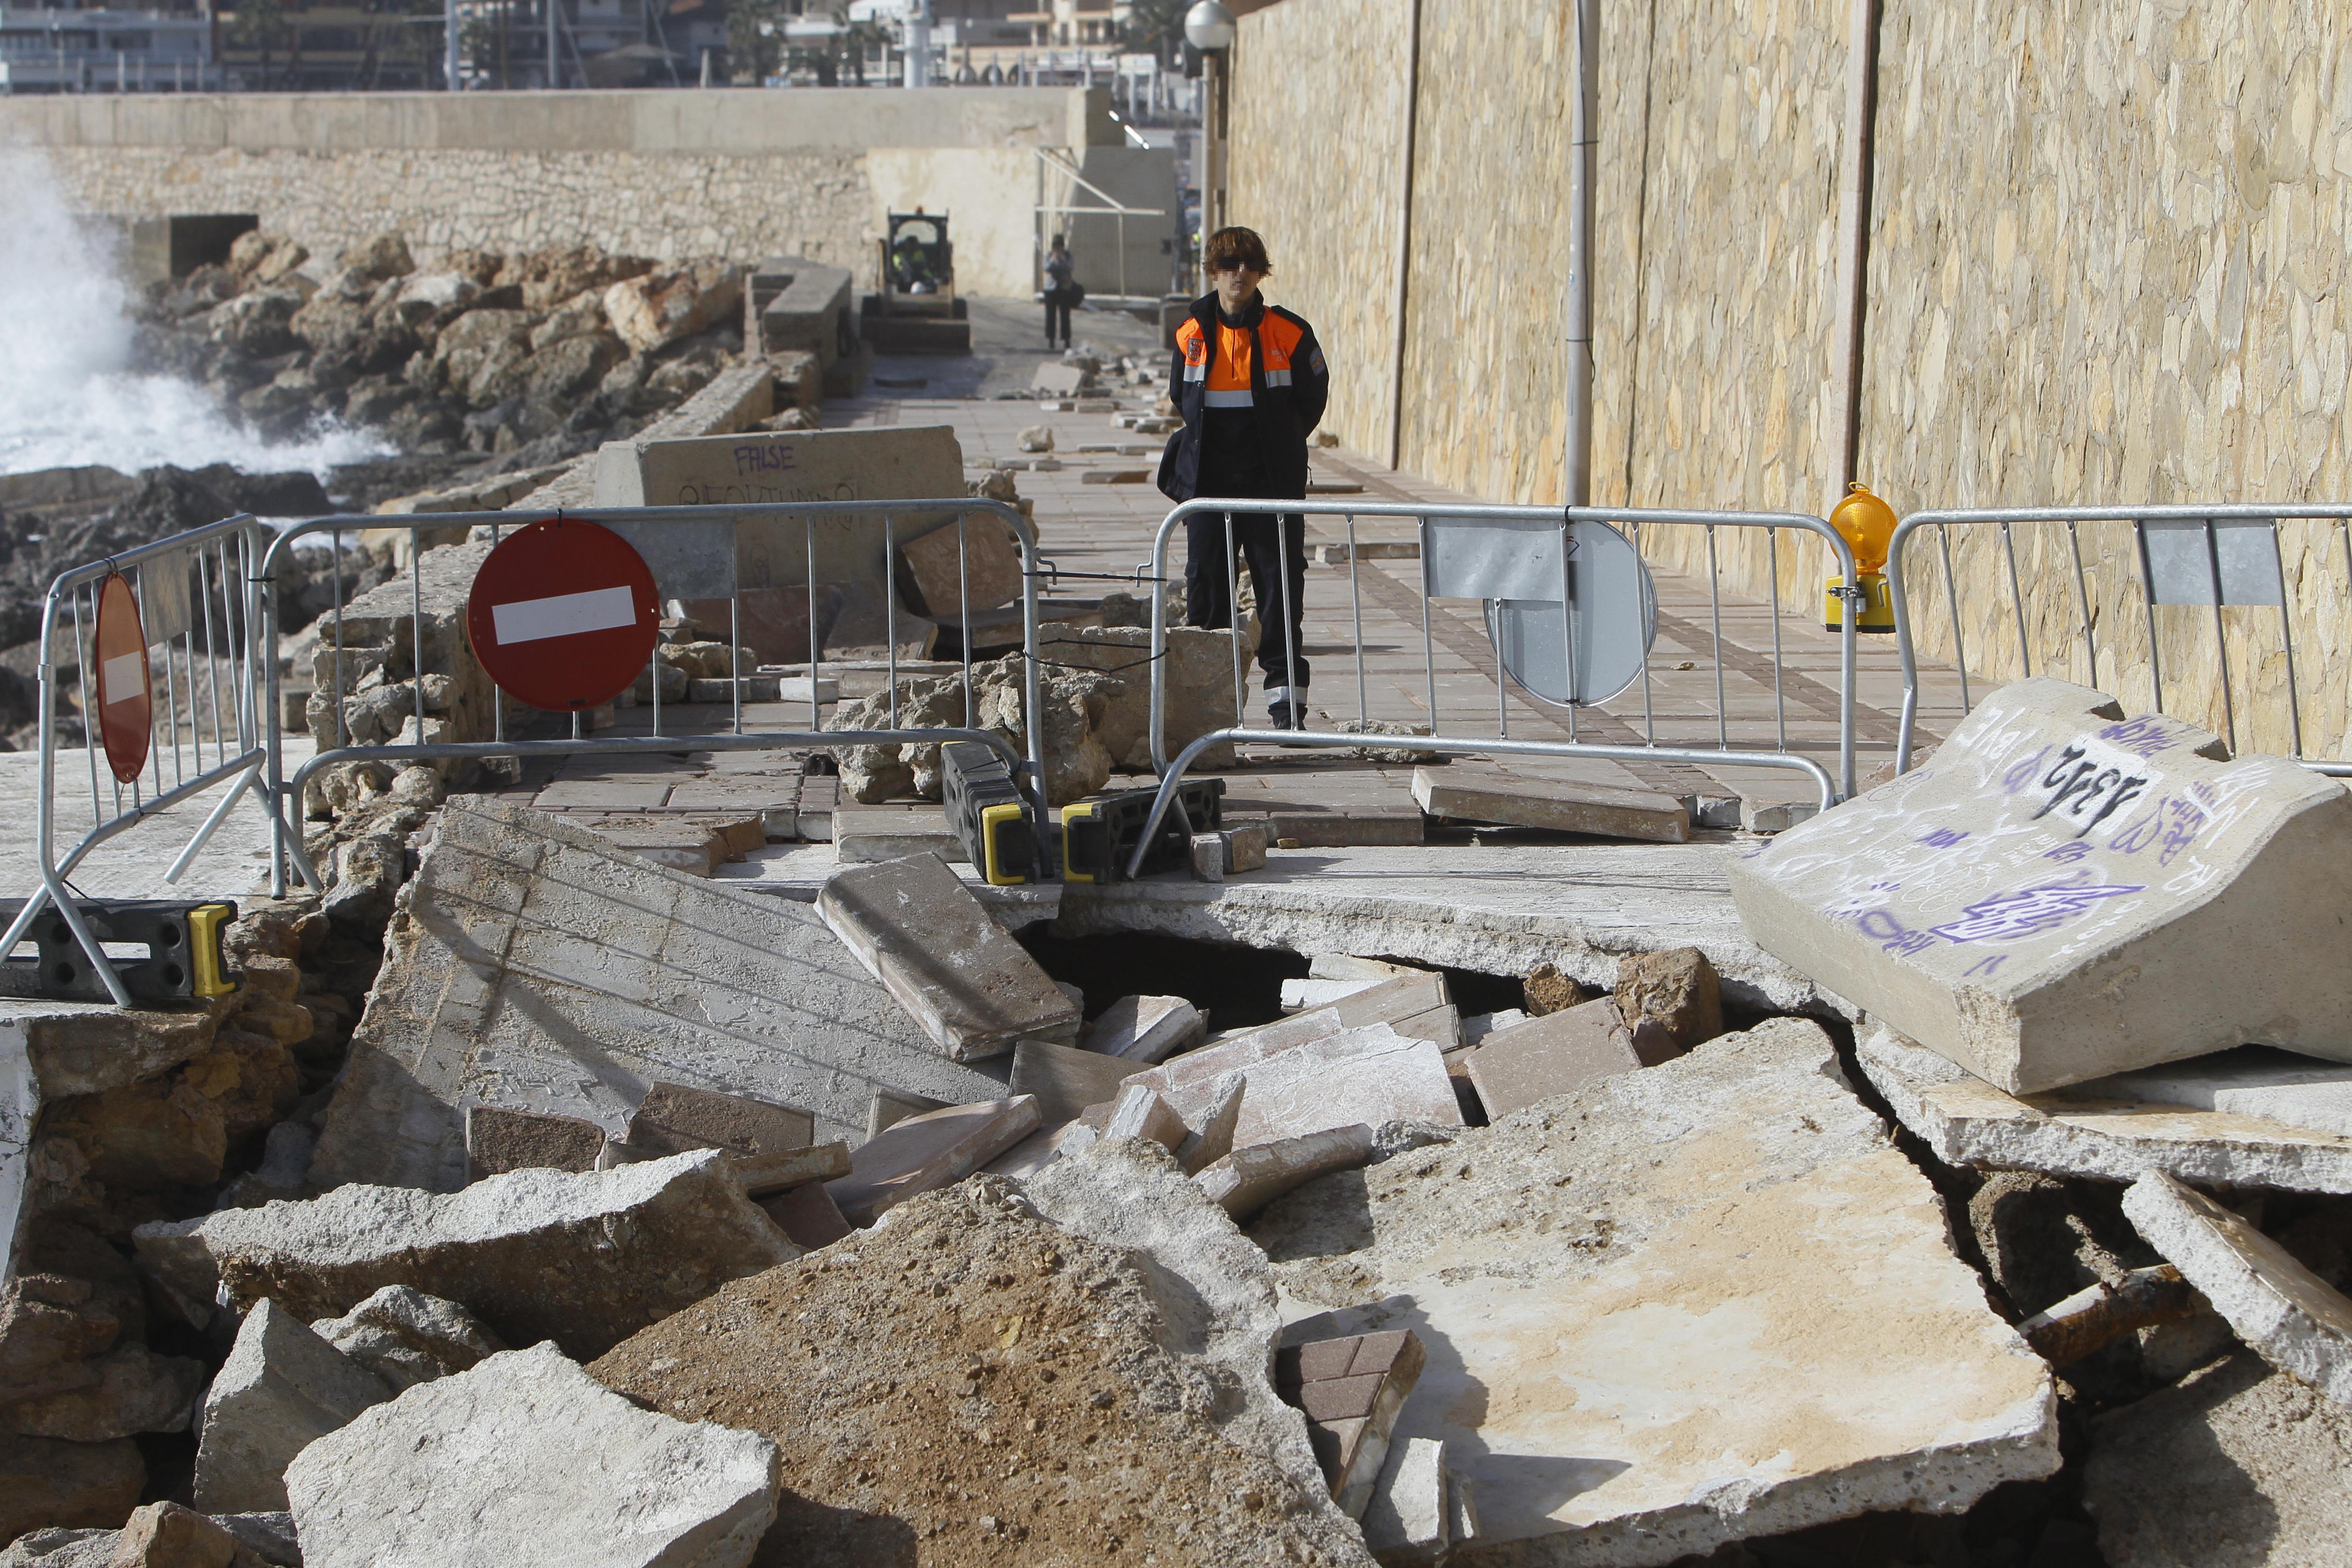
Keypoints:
pixel 1612 607
pixel 126 703
pixel 563 614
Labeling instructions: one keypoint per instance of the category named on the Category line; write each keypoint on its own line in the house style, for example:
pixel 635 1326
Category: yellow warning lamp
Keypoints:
pixel 1867 525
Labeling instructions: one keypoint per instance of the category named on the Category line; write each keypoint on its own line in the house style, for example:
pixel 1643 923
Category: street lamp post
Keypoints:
pixel 1208 27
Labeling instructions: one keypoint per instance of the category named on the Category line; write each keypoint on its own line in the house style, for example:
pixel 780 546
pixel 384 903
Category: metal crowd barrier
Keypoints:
pixel 1456 741
pixel 706 545
pixel 2220 556
pixel 201 597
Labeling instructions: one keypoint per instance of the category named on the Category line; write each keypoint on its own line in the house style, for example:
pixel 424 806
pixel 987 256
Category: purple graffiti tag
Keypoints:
pixel 2142 737
pixel 2021 772
pixel 765 459
pixel 2067 854
pixel 2182 824
pixel 1943 838
pixel 1987 966
pixel 1892 935
pixel 2029 912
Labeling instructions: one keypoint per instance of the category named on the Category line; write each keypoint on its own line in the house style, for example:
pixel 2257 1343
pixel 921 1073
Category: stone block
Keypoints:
pixel 1065 1079
pixel 1548 991
pixel 865 836
pixel 1775 815
pixel 282 1388
pixel 1246 1180
pixel 888 1108
pixel 673 1118
pixel 135 1390
pixel 1141 1113
pixel 1208 856
pixel 2234 1466
pixel 1210 1134
pixel 946 575
pixel 933 1150
pixel 1676 989
pixel 166 1535
pixel 1347 966
pixel 1303 995
pixel 807 1212
pixel 527 1459
pixel 1350 1390
pixel 1245 845
pixel 1745 1399
pixel 2247 1118
pixel 1472 792
pixel 1059 381
pixel 1370 1074
pixel 406 1337
pixel 1147 1029
pixel 972 989
pixel 584 1261
pixel 1408 1520
pixel 49 1484
pixel 763 1174
pixel 1558 1054
pixel 2281 1310
pixel 2061 893
pixel 498 1140
pixel 1478 1025
pixel 535 968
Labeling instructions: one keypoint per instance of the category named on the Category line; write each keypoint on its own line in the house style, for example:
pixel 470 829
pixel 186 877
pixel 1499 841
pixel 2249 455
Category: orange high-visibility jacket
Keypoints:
pixel 1272 366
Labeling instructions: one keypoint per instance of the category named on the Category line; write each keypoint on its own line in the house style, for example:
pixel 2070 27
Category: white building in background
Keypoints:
pixel 106 51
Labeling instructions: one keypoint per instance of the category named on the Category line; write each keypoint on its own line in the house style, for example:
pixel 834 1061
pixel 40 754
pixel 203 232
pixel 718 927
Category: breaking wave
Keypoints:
pixel 67 396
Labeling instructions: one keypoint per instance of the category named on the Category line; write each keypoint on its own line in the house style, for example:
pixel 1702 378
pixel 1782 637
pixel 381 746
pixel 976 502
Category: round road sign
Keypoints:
pixel 563 614
pixel 126 704
pixel 1612 607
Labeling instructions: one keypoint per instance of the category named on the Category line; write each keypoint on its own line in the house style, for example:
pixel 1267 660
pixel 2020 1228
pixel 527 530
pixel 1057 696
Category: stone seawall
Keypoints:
pixel 2102 266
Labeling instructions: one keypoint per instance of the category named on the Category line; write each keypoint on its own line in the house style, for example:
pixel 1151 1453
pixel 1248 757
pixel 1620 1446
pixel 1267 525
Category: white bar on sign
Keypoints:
pixel 566 615
pixel 122 678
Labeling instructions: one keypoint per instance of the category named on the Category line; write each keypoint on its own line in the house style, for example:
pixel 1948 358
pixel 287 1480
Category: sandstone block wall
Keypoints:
pixel 2103 266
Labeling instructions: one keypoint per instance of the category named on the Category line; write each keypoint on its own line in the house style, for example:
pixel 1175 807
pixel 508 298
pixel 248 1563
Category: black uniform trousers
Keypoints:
pixel 1273 544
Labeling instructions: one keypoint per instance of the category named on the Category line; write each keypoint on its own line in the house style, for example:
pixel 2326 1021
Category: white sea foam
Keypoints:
pixel 66 397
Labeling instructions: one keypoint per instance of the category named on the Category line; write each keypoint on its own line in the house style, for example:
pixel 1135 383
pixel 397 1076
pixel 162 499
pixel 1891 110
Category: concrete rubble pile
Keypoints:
pixel 642 1220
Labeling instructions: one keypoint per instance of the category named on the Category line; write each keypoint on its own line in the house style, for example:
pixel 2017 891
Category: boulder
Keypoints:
pixel 568 370
pixel 1676 991
pixel 406 1337
pixel 421 299
pixel 546 277
pixel 136 1391
pixel 282 1388
pixel 258 324
pixel 662 307
pixel 1020 1392
pixel 2061 893
pixel 379 257
pixel 166 1535
pixel 525 1459
pixel 46 1483
pixel 474 354
pixel 584 1261
pixel 1677 1308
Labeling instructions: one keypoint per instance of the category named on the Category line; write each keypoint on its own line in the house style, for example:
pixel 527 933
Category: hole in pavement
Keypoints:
pixel 1233 986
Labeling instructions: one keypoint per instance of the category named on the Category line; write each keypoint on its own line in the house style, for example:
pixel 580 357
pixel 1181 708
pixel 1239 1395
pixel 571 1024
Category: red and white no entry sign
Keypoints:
pixel 126 703
pixel 563 614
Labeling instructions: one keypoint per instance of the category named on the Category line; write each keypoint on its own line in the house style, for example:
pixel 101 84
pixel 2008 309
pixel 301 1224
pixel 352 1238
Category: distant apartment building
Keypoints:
pixel 52 50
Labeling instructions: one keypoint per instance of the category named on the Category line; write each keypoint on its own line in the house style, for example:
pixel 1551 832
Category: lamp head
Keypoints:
pixel 1209 26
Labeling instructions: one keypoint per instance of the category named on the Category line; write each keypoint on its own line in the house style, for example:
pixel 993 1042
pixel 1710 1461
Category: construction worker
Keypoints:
pixel 1249 380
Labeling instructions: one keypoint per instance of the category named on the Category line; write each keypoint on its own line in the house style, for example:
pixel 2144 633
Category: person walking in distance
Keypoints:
pixel 1061 271
pixel 1249 380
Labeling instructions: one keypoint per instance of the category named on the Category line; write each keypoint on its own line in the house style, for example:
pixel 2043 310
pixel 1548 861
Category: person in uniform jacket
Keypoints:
pixel 1249 381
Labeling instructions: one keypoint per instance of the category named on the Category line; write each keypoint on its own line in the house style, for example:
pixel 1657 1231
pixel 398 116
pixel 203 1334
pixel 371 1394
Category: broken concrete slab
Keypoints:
pixel 1631 1353
pixel 2286 1314
pixel 1478 1025
pixel 973 990
pixel 282 1388
pixel 499 1140
pixel 1476 792
pixel 2240 1119
pixel 761 1176
pixel 406 1337
pixel 1370 1074
pixel 1140 1113
pixel 1350 1390
pixel 1301 995
pixel 1147 1029
pixel 521 939
pixel 988 1297
pixel 1067 1079
pixel 527 1459
pixel 584 1261
pixel 807 1212
pixel 673 1118
pixel 1246 1180
pixel 1558 1054
pixel 866 834
pixel 2236 1466
pixel 2061 893
pixel 1408 1522
pixel 1210 1134
pixel 933 1150
pixel 1213 1285
pixel 1347 966
pixel 1580 907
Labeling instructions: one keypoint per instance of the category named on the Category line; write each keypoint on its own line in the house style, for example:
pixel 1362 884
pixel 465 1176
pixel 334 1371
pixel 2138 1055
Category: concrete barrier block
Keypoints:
pixel 2061 893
